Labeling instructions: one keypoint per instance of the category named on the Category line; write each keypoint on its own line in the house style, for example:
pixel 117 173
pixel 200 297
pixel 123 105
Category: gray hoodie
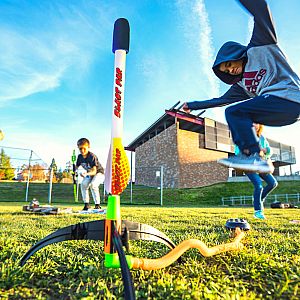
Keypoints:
pixel 266 70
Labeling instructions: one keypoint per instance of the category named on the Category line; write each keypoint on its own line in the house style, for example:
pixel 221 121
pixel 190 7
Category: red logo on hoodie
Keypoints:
pixel 252 79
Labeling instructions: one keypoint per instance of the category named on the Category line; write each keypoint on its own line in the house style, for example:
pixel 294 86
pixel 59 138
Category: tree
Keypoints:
pixel 67 173
pixel 54 175
pixel 38 172
pixel 59 175
pixel 7 172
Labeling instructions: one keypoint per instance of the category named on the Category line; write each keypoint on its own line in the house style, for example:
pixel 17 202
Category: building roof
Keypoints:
pixel 186 121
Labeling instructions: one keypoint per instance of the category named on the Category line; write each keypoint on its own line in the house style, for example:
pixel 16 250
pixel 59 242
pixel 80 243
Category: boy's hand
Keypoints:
pixel 264 150
pixel 186 108
pixel 83 174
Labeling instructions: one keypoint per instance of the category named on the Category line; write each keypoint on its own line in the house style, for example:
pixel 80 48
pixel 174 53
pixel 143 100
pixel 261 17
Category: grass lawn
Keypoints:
pixel 267 268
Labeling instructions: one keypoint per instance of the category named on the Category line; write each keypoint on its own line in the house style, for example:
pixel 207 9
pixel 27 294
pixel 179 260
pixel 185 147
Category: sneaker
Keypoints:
pixel 86 206
pixel 258 214
pixel 252 163
pixel 97 206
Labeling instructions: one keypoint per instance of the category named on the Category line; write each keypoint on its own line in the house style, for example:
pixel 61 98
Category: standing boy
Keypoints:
pixel 261 192
pixel 260 74
pixel 91 175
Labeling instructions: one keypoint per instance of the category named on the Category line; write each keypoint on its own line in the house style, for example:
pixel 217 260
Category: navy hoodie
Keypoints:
pixel 266 70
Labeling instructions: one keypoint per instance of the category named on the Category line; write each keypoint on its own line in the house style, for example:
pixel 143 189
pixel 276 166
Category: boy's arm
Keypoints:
pixel 101 168
pixel 236 150
pixel 98 165
pixel 92 171
pixel 266 146
pixel 264 30
pixel 234 94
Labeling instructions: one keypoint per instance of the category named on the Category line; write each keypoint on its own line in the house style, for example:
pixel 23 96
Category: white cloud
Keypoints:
pixel 34 60
pixel 250 30
pixel 206 50
pixel 198 35
pixel 25 67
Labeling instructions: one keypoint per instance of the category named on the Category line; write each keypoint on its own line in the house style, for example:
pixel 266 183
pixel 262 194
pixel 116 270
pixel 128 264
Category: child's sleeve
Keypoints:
pixel 234 94
pixel 98 165
pixel 236 150
pixel 264 30
pixel 101 168
pixel 78 162
pixel 269 151
pixel 263 142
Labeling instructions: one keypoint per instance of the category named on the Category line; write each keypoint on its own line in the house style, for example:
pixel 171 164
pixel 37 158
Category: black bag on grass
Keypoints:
pixel 280 205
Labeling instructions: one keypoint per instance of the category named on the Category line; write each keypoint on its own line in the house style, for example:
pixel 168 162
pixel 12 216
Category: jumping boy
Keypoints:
pixel 260 74
pixel 91 175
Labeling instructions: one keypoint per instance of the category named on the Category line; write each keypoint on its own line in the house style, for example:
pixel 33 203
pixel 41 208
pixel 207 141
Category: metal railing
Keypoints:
pixel 248 200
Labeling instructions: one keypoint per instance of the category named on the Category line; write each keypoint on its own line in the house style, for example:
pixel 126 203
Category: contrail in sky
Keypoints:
pixel 206 49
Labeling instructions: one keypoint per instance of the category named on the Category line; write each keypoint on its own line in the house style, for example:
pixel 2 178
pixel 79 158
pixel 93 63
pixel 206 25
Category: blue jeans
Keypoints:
pixel 267 110
pixel 260 192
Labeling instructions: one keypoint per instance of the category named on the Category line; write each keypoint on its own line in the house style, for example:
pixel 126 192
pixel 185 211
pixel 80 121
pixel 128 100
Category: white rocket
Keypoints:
pixel 117 169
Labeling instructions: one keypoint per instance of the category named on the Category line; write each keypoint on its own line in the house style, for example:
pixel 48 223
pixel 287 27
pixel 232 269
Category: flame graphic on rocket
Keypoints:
pixel 117 170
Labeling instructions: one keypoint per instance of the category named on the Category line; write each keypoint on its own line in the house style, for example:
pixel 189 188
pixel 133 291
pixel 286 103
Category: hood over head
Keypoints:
pixel 229 51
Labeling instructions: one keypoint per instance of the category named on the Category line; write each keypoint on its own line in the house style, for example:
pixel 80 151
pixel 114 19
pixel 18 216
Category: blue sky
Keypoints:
pixel 56 66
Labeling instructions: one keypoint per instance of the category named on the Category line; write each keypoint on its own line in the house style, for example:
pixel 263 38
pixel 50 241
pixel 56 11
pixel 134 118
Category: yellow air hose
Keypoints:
pixel 174 254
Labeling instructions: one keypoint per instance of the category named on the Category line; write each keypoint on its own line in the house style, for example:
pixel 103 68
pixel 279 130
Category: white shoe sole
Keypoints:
pixel 251 168
pixel 259 218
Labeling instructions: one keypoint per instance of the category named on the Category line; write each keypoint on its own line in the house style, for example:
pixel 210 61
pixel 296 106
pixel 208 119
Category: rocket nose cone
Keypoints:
pixel 121 35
